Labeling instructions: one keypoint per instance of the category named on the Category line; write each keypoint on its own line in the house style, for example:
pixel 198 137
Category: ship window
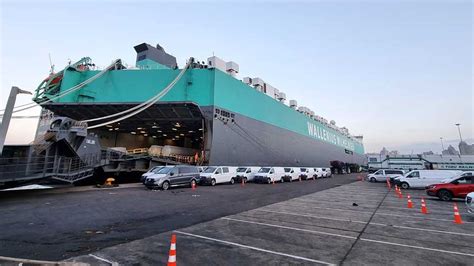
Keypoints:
pixel 141 57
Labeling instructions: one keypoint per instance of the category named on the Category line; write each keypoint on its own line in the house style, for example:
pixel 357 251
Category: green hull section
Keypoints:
pixel 205 87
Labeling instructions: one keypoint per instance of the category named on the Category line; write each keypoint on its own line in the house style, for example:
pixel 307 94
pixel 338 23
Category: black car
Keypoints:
pixel 179 175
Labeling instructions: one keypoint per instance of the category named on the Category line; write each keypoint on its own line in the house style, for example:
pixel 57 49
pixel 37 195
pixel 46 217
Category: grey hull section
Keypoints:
pixel 251 142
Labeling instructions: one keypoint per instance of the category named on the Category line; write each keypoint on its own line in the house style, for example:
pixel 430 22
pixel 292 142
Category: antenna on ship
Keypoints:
pixel 51 70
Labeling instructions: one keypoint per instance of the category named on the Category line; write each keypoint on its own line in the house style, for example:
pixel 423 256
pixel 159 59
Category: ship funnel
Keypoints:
pixel 150 57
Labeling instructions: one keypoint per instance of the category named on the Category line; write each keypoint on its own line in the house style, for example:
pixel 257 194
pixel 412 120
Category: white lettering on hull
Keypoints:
pixel 321 133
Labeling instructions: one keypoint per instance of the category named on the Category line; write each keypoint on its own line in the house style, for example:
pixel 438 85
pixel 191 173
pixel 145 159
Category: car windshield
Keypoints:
pixel 264 170
pixel 241 169
pixel 164 170
pixel 210 169
pixel 157 169
pixel 303 169
pixel 287 170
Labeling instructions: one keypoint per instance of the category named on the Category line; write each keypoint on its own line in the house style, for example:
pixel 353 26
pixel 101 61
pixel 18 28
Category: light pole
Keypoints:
pixel 7 114
pixel 442 146
pixel 460 140
pixel 459 130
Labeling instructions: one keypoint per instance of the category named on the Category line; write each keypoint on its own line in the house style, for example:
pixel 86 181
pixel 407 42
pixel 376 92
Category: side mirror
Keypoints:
pixel 248 172
pixel 292 171
pixel 455 182
pixel 171 174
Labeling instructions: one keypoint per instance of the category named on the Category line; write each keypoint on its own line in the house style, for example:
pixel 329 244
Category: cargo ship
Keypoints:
pixel 203 108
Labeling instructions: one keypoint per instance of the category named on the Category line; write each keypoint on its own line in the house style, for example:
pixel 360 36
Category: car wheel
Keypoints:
pixel 213 182
pixel 291 179
pixel 232 181
pixel 166 185
pixel 373 180
pixel 193 183
pixel 282 180
pixel 245 180
pixel 405 185
pixel 445 195
pixel 269 181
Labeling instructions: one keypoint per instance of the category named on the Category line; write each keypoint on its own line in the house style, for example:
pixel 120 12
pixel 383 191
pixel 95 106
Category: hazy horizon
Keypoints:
pixel 399 73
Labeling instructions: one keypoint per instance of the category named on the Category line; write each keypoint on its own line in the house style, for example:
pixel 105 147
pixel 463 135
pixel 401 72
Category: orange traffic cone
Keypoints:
pixel 424 210
pixel 400 195
pixel 457 216
pixel 273 182
pixel 193 186
pixel 243 182
pixel 172 255
pixel 410 203
pixel 299 177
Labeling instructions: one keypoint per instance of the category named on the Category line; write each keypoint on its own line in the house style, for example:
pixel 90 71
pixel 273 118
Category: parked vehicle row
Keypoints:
pixel 444 184
pixel 165 177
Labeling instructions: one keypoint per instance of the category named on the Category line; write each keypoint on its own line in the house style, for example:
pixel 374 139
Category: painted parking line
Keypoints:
pixel 362 222
pixel 416 247
pixel 104 260
pixel 289 228
pixel 255 248
pixel 423 229
pixel 369 212
pixel 313 216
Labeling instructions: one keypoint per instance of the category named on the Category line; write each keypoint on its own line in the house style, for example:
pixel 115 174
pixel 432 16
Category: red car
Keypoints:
pixel 456 187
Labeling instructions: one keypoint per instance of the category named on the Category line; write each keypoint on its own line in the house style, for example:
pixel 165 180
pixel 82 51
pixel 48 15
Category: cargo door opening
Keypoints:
pixel 173 131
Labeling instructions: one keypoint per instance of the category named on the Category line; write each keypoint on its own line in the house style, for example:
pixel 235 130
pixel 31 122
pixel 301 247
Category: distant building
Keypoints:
pixel 428 153
pixel 450 151
pixel 466 149
pixel 422 161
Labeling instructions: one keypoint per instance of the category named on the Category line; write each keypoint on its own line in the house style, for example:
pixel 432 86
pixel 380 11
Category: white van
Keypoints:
pixel 423 178
pixel 304 173
pixel 218 174
pixel 246 173
pixel 319 172
pixel 290 174
pixel 381 175
pixel 328 172
pixel 269 175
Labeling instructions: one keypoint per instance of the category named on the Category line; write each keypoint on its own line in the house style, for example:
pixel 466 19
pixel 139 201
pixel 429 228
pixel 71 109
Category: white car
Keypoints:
pixel 290 174
pixel 381 175
pixel 218 174
pixel 328 172
pixel 269 175
pixel 470 203
pixel 319 173
pixel 246 172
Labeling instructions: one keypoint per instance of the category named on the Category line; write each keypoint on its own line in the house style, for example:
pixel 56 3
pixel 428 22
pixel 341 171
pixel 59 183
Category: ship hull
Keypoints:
pixel 250 142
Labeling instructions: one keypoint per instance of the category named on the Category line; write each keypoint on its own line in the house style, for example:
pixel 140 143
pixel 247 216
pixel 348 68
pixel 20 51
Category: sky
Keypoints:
pixel 398 72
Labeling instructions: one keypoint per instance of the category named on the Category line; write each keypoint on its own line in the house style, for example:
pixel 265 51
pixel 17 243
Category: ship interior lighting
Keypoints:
pixel 146 135
pixel 133 132
pixel 164 135
pixel 153 137
pixel 159 131
pixel 116 128
pixel 181 134
pixel 190 131
pixel 174 129
pixel 139 128
pixel 143 132
pixel 110 129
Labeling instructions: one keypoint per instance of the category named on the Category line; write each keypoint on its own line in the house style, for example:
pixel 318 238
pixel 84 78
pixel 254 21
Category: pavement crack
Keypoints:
pixel 364 228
